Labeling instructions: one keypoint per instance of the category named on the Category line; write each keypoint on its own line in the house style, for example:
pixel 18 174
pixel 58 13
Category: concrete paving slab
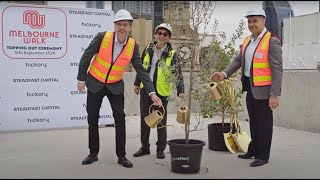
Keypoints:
pixel 58 154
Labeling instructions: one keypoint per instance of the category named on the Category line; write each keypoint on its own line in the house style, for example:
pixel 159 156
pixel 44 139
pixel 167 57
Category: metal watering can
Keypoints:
pixel 155 117
pixel 182 114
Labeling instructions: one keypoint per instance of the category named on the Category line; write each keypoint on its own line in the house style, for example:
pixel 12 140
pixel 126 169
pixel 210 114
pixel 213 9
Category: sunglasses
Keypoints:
pixel 161 33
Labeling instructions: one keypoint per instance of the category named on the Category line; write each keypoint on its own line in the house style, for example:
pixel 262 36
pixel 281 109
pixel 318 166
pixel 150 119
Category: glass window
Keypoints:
pixel 90 4
pixel 95 4
pixel 100 4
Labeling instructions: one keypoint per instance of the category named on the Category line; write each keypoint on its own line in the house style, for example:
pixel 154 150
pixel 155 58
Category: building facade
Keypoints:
pixel 275 12
pixel 154 9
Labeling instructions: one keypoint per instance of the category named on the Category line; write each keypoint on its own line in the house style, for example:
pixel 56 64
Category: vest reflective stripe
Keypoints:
pixel 130 48
pixel 163 84
pixel 245 43
pixel 102 62
pixel 102 75
pixel 118 68
pixel 146 60
pixel 106 41
pixel 262 78
pixel 261 65
pixel 145 63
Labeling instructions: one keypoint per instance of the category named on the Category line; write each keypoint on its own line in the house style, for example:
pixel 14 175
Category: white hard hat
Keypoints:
pixel 255 12
pixel 165 26
pixel 122 14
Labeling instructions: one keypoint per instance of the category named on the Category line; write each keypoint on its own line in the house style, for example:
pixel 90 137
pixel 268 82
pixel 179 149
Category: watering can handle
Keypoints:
pixel 160 121
pixel 230 82
pixel 154 105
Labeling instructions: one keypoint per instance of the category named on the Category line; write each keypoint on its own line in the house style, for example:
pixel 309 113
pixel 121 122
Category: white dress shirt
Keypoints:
pixel 117 47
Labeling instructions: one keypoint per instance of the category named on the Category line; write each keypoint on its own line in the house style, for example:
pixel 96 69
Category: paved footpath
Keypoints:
pixel 58 154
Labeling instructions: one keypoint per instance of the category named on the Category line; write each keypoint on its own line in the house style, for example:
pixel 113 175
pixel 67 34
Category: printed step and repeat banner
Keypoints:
pixel 40 51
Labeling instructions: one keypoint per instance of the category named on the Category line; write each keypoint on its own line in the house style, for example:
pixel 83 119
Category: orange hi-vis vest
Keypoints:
pixel 102 67
pixel 260 64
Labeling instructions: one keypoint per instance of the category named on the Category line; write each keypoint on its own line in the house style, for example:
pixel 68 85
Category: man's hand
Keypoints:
pixel 81 86
pixel 156 100
pixel 273 102
pixel 136 89
pixel 217 76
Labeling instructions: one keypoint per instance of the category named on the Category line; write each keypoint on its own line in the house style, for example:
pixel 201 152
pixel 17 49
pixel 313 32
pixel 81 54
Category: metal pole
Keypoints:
pixel 290 37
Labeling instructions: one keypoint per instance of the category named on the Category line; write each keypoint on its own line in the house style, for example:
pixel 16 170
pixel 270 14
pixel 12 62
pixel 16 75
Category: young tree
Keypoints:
pixel 188 23
pixel 216 57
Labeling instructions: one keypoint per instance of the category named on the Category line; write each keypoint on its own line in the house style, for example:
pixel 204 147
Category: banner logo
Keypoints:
pixel 34 19
pixel 34 33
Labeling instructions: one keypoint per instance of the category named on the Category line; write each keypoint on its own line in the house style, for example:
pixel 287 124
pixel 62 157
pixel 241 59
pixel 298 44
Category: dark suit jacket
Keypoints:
pixel 275 59
pixel 117 88
pixel 174 63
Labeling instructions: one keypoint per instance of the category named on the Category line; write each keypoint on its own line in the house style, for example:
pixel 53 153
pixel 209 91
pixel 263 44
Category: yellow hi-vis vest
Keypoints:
pixel 163 84
pixel 102 67
pixel 260 65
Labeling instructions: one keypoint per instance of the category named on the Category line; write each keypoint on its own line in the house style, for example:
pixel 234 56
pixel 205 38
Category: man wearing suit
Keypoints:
pixel 112 51
pixel 261 63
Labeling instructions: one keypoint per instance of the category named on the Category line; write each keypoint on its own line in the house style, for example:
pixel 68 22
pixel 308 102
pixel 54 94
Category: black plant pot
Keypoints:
pixel 185 158
pixel 215 136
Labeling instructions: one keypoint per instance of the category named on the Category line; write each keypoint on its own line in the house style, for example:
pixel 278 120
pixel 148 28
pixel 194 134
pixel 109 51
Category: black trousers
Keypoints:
pixel 261 125
pixel 145 103
pixel 93 109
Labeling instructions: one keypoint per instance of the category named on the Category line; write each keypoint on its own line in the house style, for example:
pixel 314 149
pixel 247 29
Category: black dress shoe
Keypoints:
pixel 258 162
pixel 90 159
pixel 160 155
pixel 141 152
pixel 245 156
pixel 125 162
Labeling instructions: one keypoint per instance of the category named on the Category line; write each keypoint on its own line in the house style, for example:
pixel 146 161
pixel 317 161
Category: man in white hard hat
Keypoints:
pixel 261 62
pixel 112 51
pixel 158 58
